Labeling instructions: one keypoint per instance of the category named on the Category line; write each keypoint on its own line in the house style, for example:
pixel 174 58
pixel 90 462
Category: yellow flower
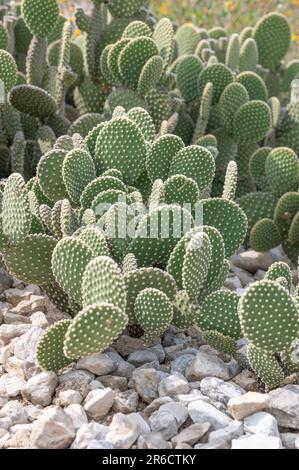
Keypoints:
pixel 295 2
pixel 77 33
pixel 229 5
pixel 295 37
pixel 164 8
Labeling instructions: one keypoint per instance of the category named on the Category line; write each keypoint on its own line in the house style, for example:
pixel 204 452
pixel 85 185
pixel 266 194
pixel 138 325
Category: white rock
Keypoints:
pixel 5 353
pixel 225 435
pixel 3 438
pixel 202 412
pixel 100 445
pixel 98 364
pixel 257 441
pixel 192 434
pixel 25 347
pixel 297 443
pixel 39 319
pixel 218 390
pixel 288 439
pixel 251 260
pixel 70 397
pixel 173 385
pixel 246 405
pixel 165 423
pixel 123 432
pixel 77 414
pixel 53 430
pixel 40 389
pixel 33 412
pixel 177 410
pixel 5 423
pixel 87 433
pixel 13 384
pixel 125 402
pixel 27 307
pixel 152 440
pixel 3 393
pixel 8 332
pixel 142 424
pixel 98 403
pixel 146 382
pixel 284 405
pixel 15 411
pixel 261 423
pixel 207 365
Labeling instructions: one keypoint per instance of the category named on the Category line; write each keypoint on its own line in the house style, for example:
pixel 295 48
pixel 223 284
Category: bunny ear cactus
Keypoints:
pixel 40 16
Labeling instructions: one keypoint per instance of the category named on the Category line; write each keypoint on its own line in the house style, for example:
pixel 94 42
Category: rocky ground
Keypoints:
pixel 177 394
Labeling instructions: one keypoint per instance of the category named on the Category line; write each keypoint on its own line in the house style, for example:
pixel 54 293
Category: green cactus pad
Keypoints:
pixel 95 239
pixel 121 145
pixel 144 122
pixel 150 75
pixel 232 98
pixel 49 352
pixel 183 311
pixel 257 165
pixel 281 170
pixel 248 56
pixel 187 73
pixel 69 260
pixel 219 75
pixel 286 209
pixel 32 100
pixel 196 264
pixel 129 264
pixel 268 316
pixel 225 216
pixel 187 37
pixel 161 155
pixel 120 8
pixel 16 213
pixel 68 219
pixel 136 29
pixel 254 85
pixel 273 37
pixel 93 330
pixel 49 172
pixel 103 282
pixel 257 206
pixel 99 185
pixel 280 269
pixel 144 278
pixel 112 59
pixel 265 235
pixel 58 297
pixel 164 38
pixel 158 233
pixel 30 260
pixel 40 16
pixel 194 162
pixel 133 58
pixel 78 171
pixel 86 124
pixel 153 312
pixel 181 190
pixel 266 367
pixel 219 312
pixel 8 70
pixel 293 234
pixel 252 122
pixel 220 342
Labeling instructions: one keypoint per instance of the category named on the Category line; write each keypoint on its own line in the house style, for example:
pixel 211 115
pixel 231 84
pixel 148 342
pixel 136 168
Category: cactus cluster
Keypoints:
pixel 137 157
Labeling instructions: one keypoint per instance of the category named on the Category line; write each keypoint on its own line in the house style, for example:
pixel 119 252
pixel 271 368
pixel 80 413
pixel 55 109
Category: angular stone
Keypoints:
pixel 114 382
pixel 146 382
pixel 40 388
pixel 27 307
pixel 225 435
pixel 99 364
pixel 123 368
pixel 126 345
pixel 245 405
pixel 261 423
pixel 181 363
pixel 247 380
pixel 192 434
pixel 14 296
pixel 177 410
pixel 5 423
pixel 257 441
pixel 98 403
pixel 173 385
pixel 125 402
pixel 284 405
pixel 155 405
pixel 87 433
pixel 25 347
pixel 76 376
pixel 251 261
pixel 138 358
pixel 39 319
pixel 123 431
pixel 77 414
pixel 13 384
pixel 207 365
pixel 202 412
pixel 53 430
pixel 218 390
pixel 69 397
pixel 8 332
pixel 165 423
pixel 94 444
pixel 10 318
pixel 152 440
pixel 15 411
pixel 288 439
